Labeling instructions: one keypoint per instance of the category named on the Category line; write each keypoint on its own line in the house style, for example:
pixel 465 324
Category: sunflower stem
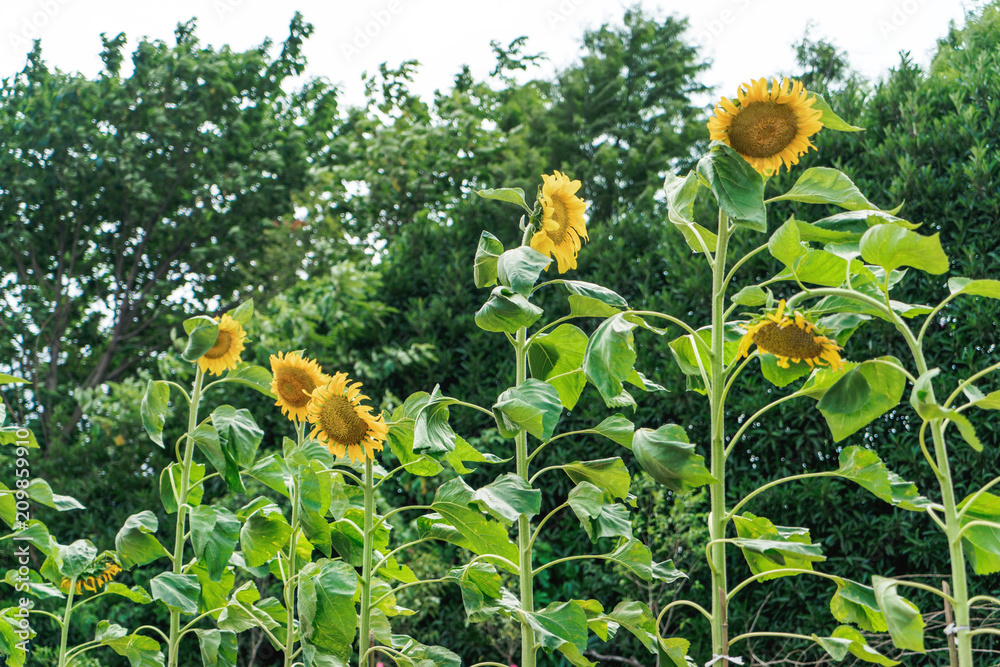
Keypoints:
pixel 182 508
pixel 292 542
pixel 717 490
pixel 67 615
pixel 524 541
pixel 364 637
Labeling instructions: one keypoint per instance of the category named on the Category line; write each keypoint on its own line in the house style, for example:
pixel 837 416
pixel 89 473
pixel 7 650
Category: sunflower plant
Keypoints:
pixel 838 272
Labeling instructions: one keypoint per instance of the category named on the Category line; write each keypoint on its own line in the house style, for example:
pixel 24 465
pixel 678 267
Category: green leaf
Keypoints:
pixel 265 532
pixel 849 394
pixel 10 644
pixel 669 458
pixel 218 648
pixel 737 187
pixel 154 409
pixel 819 267
pixel 34 585
pixel 170 482
pixel 751 295
pixel 532 406
pixel 178 592
pixel 239 434
pixel 681 193
pixel 466 453
pixel 906 625
pixel 40 491
pixel 618 429
pixel 556 357
pixel 829 119
pixel 9 436
pixel 558 624
pixel 519 268
pixel 982 543
pixel 864 468
pixel 610 356
pixel 255 377
pixel 135 542
pixel 846 640
pixel 484 271
pixel 453 505
pixel 674 650
pixel 242 313
pixel 891 247
pixel 214 533
pixel 611 475
pixel 431 430
pixel 822 185
pixel 635 557
pixel 987 288
pixel 202 333
pixel 141 651
pixel 135 594
pixel 778 375
pixel 506 311
pixel 510 195
pixel 10 379
pixel 402 435
pixel 856 603
pixel 590 300
pixel 767 547
pixel 638 620
pixel 785 245
pixel 922 400
pixel 509 497
pixel 327 613
pixel 598 513
pixel 482 590
pixel 887 385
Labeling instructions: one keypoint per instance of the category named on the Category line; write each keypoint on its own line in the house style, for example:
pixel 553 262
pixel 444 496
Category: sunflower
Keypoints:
pixel 342 422
pixel 294 380
pixel 92 583
pixel 562 220
pixel 225 354
pixel 791 339
pixel 769 126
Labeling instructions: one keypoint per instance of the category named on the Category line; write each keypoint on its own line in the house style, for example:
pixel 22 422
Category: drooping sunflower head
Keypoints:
pixel 562 220
pixel 342 422
pixel 794 339
pixel 225 354
pixel 294 379
pixel 93 580
pixel 768 127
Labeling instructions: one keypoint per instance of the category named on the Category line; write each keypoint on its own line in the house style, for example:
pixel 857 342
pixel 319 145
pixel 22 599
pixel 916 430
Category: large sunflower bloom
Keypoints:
pixel 294 380
pixel 791 339
pixel 225 354
pixel 768 127
pixel 562 220
pixel 342 422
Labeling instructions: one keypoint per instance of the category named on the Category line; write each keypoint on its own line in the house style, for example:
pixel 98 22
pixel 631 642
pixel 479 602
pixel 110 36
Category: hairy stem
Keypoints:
pixel 364 639
pixel 67 615
pixel 182 509
pixel 523 525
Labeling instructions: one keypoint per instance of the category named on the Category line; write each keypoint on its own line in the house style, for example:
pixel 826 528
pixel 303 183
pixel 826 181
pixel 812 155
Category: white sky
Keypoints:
pixel 743 38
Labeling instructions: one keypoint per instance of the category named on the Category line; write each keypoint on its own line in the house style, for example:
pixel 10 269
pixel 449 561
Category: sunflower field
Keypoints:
pixel 572 370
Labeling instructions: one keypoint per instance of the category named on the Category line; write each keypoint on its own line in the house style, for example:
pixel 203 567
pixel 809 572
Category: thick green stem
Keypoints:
pixel 67 615
pixel 182 509
pixel 290 576
pixel 717 518
pixel 364 638
pixel 523 525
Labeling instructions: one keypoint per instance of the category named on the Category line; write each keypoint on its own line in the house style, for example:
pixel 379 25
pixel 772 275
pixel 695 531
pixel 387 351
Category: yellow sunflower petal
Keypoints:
pixel 225 353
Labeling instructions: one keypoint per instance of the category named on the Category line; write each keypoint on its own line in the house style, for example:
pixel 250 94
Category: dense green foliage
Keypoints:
pixel 397 175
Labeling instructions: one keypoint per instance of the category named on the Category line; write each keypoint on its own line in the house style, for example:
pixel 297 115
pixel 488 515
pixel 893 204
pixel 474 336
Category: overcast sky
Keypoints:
pixel 742 38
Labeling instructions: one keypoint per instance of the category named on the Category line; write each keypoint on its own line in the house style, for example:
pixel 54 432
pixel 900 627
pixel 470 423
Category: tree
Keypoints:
pixel 130 202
